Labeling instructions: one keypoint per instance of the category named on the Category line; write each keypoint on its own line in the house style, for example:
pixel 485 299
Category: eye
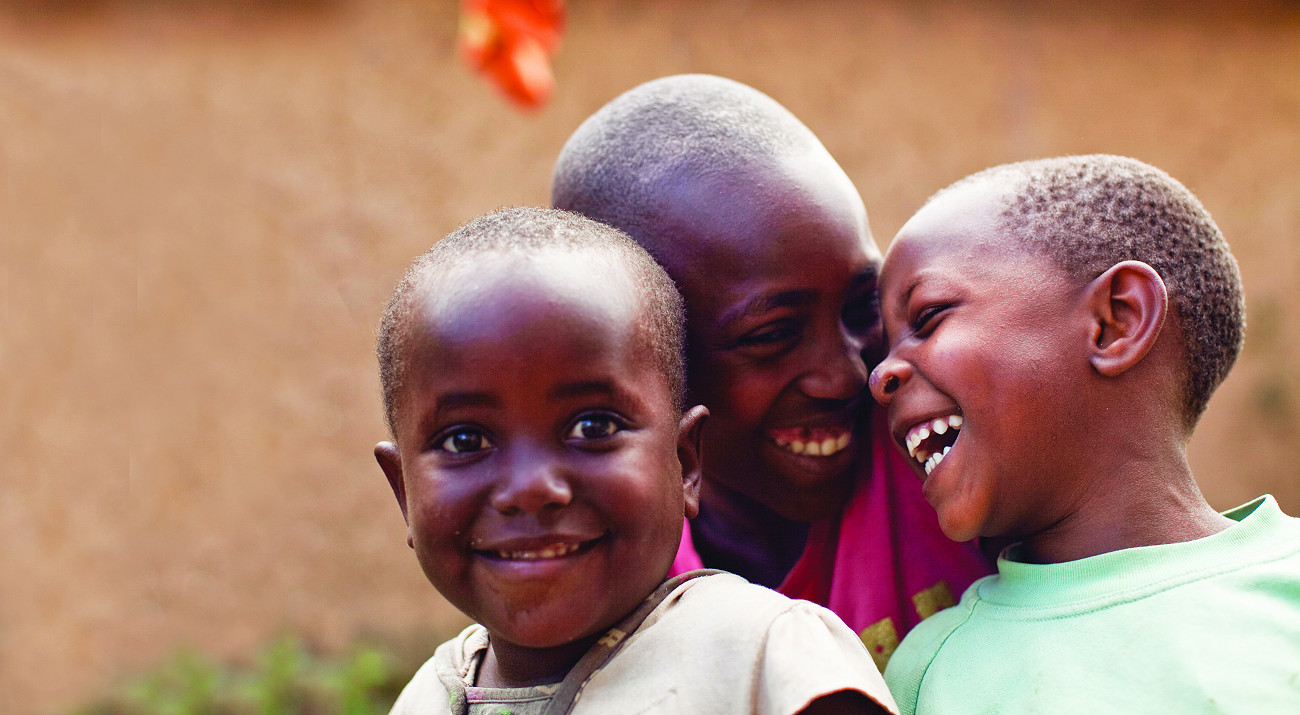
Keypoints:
pixel 927 319
pixel 593 427
pixel 465 441
pixel 861 313
pixel 770 334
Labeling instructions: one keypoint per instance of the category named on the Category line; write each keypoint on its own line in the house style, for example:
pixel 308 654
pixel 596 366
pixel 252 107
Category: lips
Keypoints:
pixel 812 441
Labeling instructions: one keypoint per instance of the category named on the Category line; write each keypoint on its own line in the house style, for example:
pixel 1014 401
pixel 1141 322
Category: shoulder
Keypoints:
pixel 720 644
pixel 909 663
pixel 437 683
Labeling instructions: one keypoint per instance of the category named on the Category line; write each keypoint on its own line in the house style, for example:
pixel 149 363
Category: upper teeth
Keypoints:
pixel 920 432
pixel 814 448
pixel 548 552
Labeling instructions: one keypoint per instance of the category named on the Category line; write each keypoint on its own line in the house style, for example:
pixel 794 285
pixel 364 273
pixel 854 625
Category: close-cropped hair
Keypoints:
pixel 531 231
pixel 686 126
pixel 1090 212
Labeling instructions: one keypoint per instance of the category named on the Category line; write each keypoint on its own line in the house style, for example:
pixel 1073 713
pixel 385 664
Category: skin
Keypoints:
pixel 1072 438
pixel 778 271
pixel 540 463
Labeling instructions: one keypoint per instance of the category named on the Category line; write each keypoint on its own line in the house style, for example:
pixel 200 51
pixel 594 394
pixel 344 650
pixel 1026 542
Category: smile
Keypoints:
pixel 548 552
pixel 812 441
pixel 928 442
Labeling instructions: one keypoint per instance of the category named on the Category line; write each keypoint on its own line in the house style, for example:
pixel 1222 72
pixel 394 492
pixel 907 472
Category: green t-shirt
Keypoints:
pixel 1204 626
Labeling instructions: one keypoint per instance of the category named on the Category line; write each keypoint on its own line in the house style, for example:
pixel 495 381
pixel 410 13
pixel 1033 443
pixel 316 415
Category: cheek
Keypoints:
pixel 441 509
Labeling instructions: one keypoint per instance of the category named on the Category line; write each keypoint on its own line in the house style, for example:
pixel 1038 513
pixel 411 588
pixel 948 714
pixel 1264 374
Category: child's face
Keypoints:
pixel 778 271
pixel 539 448
pixel 982 377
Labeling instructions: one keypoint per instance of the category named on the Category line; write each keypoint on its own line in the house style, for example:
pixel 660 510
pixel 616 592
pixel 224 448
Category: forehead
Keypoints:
pixel 580 302
pixel 959 231
pixel 755 217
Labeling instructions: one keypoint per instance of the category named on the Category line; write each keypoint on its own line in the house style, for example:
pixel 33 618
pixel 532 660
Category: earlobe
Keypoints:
pixel 690 453
pixel 1128 304
pixel 390 460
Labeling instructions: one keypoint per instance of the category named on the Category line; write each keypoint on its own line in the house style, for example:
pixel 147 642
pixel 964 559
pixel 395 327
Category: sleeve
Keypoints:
pixel 908 665
pixel 809 652
pixel 424 695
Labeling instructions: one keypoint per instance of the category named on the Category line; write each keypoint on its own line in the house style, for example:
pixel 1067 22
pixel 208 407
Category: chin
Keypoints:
pixel 959 525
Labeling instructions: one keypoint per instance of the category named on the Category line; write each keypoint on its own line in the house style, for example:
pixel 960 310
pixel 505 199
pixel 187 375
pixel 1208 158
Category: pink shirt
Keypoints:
pixel 883 564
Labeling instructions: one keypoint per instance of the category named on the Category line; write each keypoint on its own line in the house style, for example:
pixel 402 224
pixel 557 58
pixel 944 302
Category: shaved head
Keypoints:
pixel 619 165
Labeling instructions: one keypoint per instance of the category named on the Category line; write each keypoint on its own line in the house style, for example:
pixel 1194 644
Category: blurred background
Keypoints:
pixel 205 205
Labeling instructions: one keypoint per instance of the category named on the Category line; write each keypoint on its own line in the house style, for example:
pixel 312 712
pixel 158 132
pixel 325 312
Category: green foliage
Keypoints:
pixel 286 679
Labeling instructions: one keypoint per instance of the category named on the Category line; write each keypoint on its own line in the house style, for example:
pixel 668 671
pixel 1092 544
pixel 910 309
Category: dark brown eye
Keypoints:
pixel 464 441
pixel 594 427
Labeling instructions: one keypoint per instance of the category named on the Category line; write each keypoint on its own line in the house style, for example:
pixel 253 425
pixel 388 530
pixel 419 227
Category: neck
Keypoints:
pixel 1147 502
pixel 738 534
pixel 507 665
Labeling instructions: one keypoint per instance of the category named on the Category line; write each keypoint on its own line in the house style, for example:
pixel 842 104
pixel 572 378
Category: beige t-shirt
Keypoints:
pixel 717 644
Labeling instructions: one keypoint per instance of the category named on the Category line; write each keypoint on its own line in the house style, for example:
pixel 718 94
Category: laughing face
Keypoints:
pixel 539 462
pixel 984 358
pixel 778 271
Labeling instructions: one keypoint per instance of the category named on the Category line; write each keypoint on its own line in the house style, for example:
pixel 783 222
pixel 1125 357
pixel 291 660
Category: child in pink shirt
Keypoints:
pixel 768 241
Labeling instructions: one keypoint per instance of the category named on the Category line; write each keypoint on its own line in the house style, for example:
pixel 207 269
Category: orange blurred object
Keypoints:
pixel 511 42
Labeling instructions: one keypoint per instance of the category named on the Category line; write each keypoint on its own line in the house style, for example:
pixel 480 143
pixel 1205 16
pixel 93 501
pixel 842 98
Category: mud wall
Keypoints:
pixel 205 205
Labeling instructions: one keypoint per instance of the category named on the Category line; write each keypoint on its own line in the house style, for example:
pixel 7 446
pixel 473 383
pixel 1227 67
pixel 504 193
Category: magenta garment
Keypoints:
pixel 883 565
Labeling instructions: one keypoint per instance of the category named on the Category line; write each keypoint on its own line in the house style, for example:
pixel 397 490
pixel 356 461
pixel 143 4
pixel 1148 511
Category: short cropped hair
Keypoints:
pixel 614 165
pixel 1090 212
pixel 528 231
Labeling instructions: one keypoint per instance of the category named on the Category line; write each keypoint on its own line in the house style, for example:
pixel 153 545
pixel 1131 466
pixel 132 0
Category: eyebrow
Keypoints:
pixel 452 401
pixel 791 298
pixel 593 388
pixel 763 303
pixel 455 400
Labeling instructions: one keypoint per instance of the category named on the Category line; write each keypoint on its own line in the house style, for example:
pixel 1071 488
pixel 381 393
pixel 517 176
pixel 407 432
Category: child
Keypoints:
pixel 1056 328
pixel 768 241
pixel 532 377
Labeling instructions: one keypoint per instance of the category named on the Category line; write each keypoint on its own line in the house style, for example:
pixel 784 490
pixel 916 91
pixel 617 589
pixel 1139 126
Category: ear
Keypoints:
pixel 390 460
pixel 689 453
pixel 1128 304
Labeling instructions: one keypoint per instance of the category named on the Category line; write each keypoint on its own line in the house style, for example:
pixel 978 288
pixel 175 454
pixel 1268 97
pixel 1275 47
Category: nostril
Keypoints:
pixel 891 384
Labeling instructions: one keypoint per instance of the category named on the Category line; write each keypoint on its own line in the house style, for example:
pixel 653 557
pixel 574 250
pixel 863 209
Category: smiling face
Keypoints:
pixel 538 447
pixel 778 271
pixel 987 359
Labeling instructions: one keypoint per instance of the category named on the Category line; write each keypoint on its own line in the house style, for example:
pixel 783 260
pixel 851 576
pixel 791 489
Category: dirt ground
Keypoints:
pixel 206 204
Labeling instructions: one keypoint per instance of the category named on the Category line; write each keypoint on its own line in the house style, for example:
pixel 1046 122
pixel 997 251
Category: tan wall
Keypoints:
pixel 204 210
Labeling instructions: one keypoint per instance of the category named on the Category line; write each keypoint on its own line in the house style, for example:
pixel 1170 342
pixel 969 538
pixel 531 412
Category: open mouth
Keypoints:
pixel 812 441
pixel 928 442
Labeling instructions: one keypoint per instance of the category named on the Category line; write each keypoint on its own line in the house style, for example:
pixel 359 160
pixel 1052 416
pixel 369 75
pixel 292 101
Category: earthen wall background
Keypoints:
pixel 205 205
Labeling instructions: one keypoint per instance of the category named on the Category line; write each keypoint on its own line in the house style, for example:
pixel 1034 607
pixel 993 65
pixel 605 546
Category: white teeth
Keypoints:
pixel 813 448
pixel 920 432
pixel 550 552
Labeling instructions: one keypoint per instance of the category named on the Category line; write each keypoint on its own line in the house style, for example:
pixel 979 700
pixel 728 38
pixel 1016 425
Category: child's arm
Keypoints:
pixel 845 701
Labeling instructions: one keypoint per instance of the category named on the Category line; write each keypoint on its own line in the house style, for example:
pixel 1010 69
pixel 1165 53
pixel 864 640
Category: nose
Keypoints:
pixel 838 371
pixel 533 481
pixel 888 376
